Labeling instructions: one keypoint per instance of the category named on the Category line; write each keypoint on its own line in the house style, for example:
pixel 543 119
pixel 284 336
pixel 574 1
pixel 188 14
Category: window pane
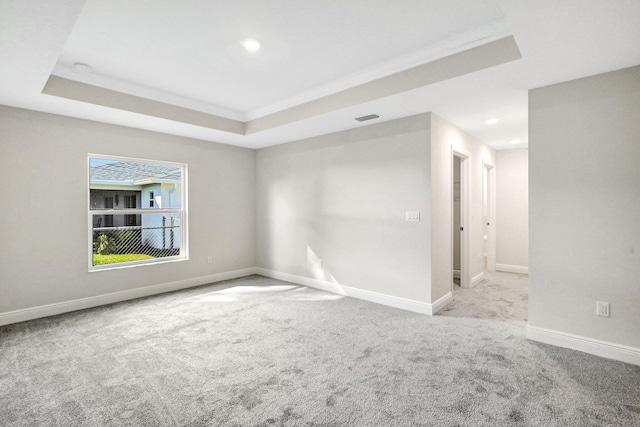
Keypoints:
pixel 117 184
pixel 136 211
pixel 130 202
pixel 135 237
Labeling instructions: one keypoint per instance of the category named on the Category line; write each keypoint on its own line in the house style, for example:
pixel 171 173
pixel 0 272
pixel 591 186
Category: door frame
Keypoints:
pixel 489 186
pixel 465 174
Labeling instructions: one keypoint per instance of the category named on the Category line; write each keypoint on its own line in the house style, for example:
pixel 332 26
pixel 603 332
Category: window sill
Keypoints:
pixel 133 264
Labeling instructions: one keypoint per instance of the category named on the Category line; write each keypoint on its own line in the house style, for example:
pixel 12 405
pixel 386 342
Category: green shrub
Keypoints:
pixel 103 242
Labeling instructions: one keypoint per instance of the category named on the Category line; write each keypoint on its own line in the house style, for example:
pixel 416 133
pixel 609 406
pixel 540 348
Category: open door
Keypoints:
pixel 488 216
pixel 460 221
pixel 457 218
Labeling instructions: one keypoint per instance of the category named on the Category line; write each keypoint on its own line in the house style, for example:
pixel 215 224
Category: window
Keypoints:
pixel 131 220
pixel 130 202
pixel 131 235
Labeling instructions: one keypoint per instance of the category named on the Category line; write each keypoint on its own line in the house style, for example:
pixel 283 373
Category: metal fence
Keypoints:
pixel 150 242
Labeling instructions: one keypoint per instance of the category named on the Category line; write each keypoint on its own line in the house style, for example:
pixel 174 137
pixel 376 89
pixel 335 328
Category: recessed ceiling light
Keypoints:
pixel 252 45
pixel 514 141
pixel 492 121
pixel 84 68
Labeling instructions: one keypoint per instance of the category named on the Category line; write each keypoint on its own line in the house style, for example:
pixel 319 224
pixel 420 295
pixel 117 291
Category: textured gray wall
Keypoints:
pixel 584 182
pixel 44 241
pixel 342 197
pixel 512 208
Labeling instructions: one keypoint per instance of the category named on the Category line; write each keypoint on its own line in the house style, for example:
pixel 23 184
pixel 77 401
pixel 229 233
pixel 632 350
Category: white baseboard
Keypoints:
pixel 456 274
pixel 384 299
pixel 441 303
pixel 476 279
pixel 520 269
pixel 588 345
pixel 98 300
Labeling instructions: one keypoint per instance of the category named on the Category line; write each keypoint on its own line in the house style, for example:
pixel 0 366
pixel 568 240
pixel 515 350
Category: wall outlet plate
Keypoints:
pixel 412 216
pixel 603 309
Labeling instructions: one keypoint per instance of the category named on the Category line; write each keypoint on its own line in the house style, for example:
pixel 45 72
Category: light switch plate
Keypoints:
pixel 603 309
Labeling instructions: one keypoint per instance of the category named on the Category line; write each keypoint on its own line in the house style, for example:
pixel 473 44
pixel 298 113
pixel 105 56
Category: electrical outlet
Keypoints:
pixel 412 216
pixel 603 309
pixel 209 259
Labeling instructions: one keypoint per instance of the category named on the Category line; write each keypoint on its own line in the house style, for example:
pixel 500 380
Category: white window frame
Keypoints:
pixel 184 235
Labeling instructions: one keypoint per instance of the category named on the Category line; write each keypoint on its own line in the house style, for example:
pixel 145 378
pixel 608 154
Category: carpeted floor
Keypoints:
pixel 260 352
pixel 499 296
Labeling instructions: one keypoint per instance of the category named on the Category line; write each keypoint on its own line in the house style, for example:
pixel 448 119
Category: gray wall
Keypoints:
pixel 342 198
pixel 512 210
pixel 584 195
pixel 44 243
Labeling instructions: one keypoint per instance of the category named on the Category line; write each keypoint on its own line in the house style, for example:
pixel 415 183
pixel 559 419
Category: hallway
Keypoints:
pixel 500 295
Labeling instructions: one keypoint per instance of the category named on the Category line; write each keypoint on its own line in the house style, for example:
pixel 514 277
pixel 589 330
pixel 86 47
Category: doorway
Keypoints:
pixel 456 220
pixel 459 212
pixel 488 217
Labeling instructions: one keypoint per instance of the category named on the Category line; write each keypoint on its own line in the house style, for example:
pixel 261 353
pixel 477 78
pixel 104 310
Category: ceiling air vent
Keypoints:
pixel 369 117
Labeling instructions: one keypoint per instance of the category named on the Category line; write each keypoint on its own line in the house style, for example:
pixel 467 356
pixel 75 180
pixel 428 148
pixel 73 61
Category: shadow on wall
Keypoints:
pixel 317 269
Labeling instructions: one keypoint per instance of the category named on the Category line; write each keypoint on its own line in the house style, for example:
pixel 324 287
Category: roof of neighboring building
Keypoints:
pixel 133 173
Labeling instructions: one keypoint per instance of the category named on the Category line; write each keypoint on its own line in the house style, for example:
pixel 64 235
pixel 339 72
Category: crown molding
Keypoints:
pixel 117 85
pixel 452 45
pixel 447 47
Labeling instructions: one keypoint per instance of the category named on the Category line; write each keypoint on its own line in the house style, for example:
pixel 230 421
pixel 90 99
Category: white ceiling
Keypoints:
pixel 189 54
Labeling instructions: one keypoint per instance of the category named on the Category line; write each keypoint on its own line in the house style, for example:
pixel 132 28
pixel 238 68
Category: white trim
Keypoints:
pixel 477 279
pixel 110 83
pixel 98 300
pixel 485 34
pixel 456 274
pixel 606 349
pixel 476 37
pixel 384 299
pixel 520 269
pixel 489 173
pixel 441 303
pixel 135 264
pixel 182 211
pixel 465 223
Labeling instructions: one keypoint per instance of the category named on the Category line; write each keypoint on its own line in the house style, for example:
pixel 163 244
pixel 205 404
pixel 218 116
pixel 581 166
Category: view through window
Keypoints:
pixel 136 211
